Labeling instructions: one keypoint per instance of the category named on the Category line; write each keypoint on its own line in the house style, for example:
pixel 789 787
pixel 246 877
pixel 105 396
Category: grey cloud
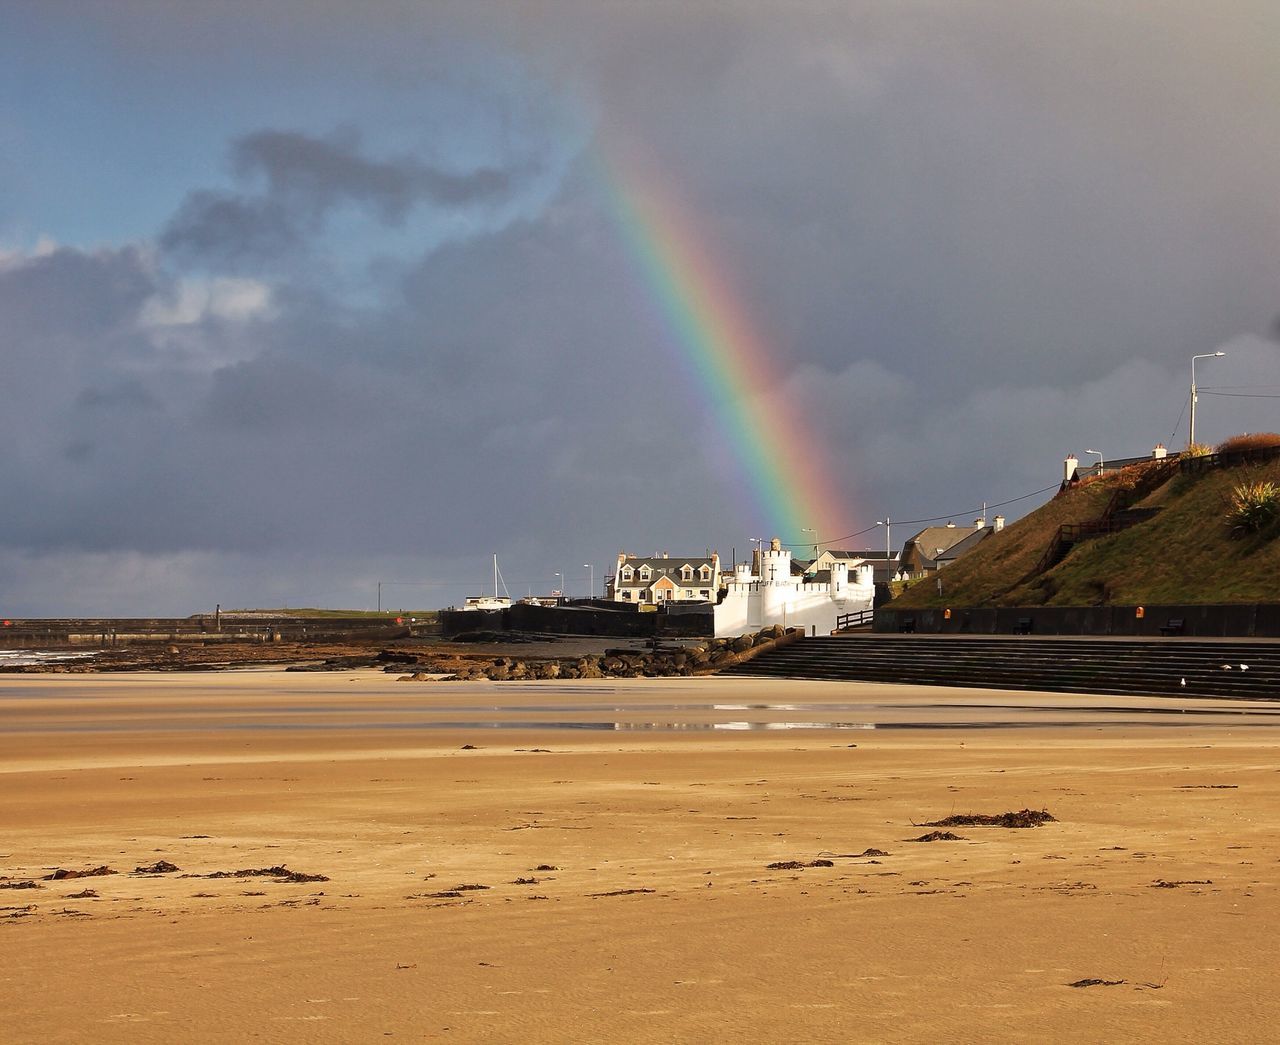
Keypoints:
pixel 318 174
pixel 305 179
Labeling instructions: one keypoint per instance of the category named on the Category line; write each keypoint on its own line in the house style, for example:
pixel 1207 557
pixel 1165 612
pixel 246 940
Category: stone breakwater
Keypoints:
pixel 696 659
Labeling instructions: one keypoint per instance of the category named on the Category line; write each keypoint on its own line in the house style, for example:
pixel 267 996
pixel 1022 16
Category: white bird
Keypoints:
pixel 1244 667
pixel 1226 667
pixel 1184 682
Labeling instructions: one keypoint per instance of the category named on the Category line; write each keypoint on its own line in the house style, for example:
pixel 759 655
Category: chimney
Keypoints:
pixel 1069 466
pixel 998 524
pixel 1159 452
pixel 951 525
pixel 979 522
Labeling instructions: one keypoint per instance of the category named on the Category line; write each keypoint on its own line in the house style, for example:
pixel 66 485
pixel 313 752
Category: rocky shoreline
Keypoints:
pixel 702 658
pixel 478 658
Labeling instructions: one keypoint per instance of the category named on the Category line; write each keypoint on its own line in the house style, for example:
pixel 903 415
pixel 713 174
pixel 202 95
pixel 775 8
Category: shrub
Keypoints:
pixel 1197 450
pixel 1249 441
pixel 1253 507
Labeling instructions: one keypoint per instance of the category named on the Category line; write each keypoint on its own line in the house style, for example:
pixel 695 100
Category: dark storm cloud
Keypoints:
pixel 974 237
pixel 304 180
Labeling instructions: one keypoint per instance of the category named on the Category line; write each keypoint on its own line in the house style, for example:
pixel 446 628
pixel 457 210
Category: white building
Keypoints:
pixel 774 596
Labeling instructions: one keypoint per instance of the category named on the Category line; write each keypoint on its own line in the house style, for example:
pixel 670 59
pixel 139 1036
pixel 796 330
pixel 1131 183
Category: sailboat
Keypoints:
pixel 490 602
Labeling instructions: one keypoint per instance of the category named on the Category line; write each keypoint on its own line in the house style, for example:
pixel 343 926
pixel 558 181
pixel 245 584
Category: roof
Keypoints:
pixel 968 544
pixel 932 538
pixel 662 566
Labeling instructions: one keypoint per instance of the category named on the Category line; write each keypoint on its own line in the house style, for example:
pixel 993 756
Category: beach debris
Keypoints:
pixel 1021 818
pixel 938 836
pixel 1160 883
pixel 159 867
pixel 279 873
pixel 7 884
pixel 873 852
pixel 1095 982
pixel 525 881
pixel 83 894
pixel 468 888
pixel 622 892
pixel 796 865
pixel 546 867
pixel 93 872
pixel 468 747
pixel 1208 787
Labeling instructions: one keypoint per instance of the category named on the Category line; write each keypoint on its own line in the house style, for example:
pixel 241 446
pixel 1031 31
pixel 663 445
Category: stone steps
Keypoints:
pixel 1172 667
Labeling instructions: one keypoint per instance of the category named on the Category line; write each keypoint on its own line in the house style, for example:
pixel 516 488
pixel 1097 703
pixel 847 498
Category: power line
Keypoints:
pixel 1243 395
pixel 1178 422
pixel 935 518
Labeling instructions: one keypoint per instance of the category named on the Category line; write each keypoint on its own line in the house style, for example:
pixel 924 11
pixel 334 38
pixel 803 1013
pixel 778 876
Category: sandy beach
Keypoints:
pixel 362 859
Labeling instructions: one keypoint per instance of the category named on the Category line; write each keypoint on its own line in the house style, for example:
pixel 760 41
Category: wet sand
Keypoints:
pixel 622 833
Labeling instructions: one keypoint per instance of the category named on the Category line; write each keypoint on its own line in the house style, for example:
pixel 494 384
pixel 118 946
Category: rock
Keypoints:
pixel 742 643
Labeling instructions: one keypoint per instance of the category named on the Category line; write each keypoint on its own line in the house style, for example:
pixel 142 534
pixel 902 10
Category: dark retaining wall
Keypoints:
pixel 1257 621
pixel 579 620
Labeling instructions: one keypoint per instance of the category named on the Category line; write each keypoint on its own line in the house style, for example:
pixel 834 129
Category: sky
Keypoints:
pixel 308 303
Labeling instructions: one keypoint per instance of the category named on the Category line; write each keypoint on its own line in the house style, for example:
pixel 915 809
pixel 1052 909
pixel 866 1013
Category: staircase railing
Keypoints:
pixel 857 619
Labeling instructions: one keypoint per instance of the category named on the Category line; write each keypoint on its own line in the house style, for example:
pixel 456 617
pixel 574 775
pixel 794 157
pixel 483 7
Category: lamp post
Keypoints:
pixel 810 529
pixel 591 580
pixel 888 543
pixel 560 586
pixel 1191 427
pixel 1099 453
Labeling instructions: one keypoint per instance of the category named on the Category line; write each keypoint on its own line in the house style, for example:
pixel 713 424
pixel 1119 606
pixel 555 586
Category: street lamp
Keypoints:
pixel 1099 453
pixel 888 543
pixel 810 529
pixel 1191 432
pixel 560 586
pixel 591 583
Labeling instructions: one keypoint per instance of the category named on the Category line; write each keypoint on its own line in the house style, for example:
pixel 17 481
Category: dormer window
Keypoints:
pixel 686 572
pixel 645 573
pixel 627 573
pixel 705 573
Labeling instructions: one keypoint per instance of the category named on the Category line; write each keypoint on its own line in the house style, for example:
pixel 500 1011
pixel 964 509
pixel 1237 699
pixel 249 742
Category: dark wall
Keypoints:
pixel 1257 621
pixel 578 620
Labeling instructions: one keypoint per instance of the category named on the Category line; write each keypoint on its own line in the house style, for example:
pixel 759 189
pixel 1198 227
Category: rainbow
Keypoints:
pixel 784 466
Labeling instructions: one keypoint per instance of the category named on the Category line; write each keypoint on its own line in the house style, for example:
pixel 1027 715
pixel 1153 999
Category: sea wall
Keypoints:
pixel 1226 621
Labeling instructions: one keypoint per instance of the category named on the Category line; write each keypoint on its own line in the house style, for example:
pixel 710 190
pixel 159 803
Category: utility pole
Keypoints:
pixel 1191 426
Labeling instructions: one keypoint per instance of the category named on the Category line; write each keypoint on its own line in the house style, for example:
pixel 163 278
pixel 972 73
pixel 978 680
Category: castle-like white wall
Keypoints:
pixel 776 597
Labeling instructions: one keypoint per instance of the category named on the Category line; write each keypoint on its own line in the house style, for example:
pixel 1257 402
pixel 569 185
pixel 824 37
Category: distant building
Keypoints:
pixel 885 567
pixel 937 546
pixel 659 578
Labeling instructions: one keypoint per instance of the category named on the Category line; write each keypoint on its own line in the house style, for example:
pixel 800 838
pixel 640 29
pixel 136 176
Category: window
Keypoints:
pixel 704 575
pixel 645 573
pixel 627 573
pixel 706 594
pixel 686 573
pixel 626 596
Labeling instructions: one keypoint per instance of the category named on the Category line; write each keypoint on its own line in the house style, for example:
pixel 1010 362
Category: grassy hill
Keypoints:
pixel 1185 554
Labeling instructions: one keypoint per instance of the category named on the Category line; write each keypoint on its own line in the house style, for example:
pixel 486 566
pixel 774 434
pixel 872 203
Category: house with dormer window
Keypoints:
pixel 661 578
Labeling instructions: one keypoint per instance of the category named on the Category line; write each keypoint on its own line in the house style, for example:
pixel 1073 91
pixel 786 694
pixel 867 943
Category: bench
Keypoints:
pixel 1022 626
pixel 907 626
pixel 1173 626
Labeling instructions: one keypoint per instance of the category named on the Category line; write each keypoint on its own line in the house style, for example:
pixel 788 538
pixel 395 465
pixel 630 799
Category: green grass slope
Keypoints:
pixel 1185 554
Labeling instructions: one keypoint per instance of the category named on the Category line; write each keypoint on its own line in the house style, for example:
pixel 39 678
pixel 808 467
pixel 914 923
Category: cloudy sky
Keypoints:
pixel 299 297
